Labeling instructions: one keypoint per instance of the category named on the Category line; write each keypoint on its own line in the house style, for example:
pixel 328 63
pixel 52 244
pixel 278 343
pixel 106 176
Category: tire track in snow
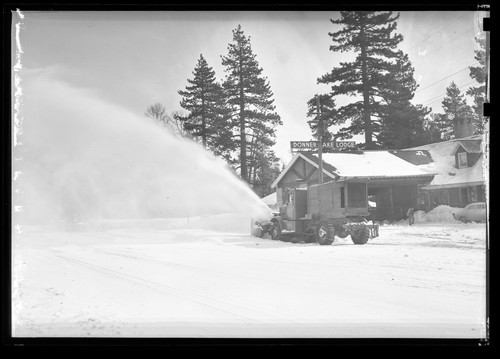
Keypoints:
pixel 183 294
pixel 286 279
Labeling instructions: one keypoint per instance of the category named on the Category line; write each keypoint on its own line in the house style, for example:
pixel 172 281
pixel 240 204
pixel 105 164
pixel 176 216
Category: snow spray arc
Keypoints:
pixel 82 157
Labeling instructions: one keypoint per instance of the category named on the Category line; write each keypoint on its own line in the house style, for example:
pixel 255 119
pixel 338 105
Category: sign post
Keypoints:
pixel 321 131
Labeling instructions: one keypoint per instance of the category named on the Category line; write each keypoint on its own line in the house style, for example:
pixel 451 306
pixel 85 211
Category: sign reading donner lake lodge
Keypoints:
pixel 307 145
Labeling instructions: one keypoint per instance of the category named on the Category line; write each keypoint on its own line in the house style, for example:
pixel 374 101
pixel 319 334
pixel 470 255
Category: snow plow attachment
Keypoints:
pixel 259 228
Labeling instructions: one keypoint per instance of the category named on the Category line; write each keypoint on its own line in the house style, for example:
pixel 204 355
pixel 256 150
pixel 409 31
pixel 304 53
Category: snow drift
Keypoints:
pixel 440 214
pixel 79 158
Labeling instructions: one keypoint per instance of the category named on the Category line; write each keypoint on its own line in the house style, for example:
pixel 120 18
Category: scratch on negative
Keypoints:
pixel 17 81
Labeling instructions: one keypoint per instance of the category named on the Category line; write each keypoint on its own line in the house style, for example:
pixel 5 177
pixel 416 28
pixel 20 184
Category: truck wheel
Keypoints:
pixel 276 231
pixel 361 235
pixel 342 234
pixel 325 233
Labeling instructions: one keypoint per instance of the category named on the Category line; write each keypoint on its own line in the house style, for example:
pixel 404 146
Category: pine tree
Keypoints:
pixel 328 116
pixel 478 93
pixel 207 120
pixel 455 109
pixel 370 35
pixel 250 101
pixel 265 173
pixel 402 124
pixel 405 125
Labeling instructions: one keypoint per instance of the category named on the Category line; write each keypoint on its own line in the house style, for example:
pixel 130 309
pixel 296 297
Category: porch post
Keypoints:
pixel 391 200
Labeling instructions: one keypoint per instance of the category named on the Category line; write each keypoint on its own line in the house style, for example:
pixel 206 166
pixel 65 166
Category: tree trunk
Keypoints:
pixel 252 161
pixel 203 123
pixel 366 91
pixel 243 140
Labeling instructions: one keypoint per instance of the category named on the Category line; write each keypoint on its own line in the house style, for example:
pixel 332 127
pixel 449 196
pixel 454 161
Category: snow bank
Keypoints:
pixel 441 214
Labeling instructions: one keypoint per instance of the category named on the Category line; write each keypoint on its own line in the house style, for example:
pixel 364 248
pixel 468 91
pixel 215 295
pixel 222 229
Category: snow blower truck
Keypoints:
pixel 321 212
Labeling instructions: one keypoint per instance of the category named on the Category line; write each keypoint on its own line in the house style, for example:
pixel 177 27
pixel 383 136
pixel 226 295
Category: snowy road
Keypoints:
pixel 196 280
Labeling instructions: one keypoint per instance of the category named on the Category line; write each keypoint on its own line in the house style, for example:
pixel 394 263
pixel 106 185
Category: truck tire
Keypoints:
pixel 361 235
pixel 325 233
pixel 276 231
pixel 342 233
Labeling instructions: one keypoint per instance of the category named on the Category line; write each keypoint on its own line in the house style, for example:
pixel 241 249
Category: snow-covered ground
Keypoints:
pixel 207 277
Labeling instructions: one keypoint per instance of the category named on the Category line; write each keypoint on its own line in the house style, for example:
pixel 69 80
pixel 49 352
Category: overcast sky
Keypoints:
pixel 134 59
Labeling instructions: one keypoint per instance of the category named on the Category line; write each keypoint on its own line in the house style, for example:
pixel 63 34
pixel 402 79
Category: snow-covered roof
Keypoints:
pixel 447 175
pixel 372 164
pixel 416 157
pixel 366 164
pixel 270 199
pixel 471 146
pixel 450 176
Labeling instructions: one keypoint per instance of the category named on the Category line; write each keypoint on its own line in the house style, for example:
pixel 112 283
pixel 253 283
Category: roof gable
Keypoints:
pixel 470 146
pixel 327 169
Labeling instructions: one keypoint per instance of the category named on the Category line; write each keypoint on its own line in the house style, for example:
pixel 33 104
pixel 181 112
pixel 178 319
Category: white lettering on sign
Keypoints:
pixel 314 144
pixel 420 153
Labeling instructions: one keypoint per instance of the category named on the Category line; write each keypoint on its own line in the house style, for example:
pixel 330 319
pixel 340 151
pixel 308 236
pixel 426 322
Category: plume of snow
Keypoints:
pixel 82 158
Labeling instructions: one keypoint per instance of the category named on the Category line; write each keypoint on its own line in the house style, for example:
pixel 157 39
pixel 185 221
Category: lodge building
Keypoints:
pixel 449 172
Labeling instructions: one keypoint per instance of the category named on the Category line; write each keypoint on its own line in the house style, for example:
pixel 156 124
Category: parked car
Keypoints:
pixel 472 212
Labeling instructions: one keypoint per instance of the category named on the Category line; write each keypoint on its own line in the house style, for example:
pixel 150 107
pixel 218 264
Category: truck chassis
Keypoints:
pixel 320 213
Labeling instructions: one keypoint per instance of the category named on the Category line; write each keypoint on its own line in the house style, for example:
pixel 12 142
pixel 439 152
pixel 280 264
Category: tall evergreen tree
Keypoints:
pixel 250 100
pixel 405 125
pixel 328 116
pixel 207 120
pixel 402 124
pixel 478 93
pixel 455 109
pixel 264 173
pixel 371 36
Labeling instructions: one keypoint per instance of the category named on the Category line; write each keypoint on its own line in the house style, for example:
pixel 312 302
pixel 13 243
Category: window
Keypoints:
pixel 464 195
pixel 356 195
pixel 480 193
pixel 462 159
pixel 342 197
